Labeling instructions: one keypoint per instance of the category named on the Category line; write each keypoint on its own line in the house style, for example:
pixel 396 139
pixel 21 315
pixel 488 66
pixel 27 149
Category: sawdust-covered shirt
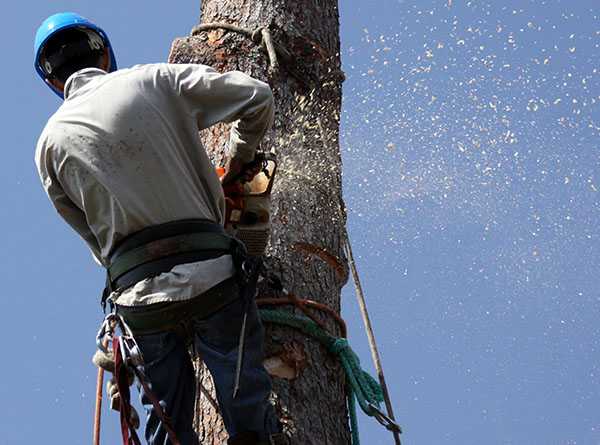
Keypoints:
pixel 123 153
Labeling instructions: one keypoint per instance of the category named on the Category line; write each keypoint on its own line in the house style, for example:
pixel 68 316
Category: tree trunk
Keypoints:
pixel 306 249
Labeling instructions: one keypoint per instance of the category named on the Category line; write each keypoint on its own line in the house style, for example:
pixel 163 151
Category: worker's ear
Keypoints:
pixel 105 63
pixel 57 84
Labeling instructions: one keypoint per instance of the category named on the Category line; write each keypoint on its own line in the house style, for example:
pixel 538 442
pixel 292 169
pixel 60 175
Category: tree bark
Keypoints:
pixel 305 253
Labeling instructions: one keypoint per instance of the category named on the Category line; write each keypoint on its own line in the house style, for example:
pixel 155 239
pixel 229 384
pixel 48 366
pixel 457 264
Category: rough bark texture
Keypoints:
pixel 306 248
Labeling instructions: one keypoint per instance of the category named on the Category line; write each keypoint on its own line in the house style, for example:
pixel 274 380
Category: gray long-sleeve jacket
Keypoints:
pixel 123 153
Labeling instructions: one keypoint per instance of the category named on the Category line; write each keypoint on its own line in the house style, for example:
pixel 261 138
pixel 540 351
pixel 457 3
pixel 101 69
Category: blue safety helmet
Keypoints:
pixel 57 23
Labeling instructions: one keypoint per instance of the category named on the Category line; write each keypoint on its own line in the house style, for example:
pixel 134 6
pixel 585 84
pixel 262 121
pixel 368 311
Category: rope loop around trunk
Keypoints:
pixel 261 36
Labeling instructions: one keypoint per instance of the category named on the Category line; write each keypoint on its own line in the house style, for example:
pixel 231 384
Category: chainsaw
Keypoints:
pixel 248 204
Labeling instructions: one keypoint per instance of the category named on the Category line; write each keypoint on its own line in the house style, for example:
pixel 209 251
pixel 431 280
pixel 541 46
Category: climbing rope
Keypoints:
pixel 260 36
pixel 371 337
pixel 275 50
pixel 361 386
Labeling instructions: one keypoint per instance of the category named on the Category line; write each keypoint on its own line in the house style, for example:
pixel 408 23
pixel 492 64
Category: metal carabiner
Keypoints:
pixel 133 353
pixel 106 331
pixel 384 419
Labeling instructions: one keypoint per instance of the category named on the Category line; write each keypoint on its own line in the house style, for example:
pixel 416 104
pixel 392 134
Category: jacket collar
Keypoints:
pixel 77 81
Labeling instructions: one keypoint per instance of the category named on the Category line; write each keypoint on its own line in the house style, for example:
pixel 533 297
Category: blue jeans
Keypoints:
pixel 168 367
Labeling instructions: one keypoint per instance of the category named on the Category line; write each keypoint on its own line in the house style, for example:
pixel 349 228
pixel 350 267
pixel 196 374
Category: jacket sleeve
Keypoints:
pixel 231 97
pixel 66 208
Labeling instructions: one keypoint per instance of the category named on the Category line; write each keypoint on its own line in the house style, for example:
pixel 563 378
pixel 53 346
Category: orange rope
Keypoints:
pixel 99 384
pixel 99 388
pixel 333 261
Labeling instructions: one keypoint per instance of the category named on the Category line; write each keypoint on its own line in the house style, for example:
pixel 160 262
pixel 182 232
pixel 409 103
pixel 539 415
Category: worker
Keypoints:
pixel 122 162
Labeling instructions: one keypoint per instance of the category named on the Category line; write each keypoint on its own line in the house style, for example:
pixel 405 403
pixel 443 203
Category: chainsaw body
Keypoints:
pixel 248 206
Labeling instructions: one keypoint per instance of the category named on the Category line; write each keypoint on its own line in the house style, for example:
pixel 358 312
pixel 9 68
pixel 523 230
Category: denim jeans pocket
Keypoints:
pixel 221 330
pixel 156 347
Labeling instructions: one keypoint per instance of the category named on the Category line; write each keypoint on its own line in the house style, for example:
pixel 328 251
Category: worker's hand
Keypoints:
pixel 235 171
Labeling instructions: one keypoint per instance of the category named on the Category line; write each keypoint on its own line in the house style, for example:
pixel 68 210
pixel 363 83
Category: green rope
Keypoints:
pixel 353 416
pixel 361 386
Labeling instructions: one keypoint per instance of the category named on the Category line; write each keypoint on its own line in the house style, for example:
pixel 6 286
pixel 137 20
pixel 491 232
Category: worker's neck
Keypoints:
pixel 77 81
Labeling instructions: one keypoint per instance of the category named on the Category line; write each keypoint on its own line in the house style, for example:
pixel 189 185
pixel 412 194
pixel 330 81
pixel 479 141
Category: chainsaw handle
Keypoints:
pixel 259 159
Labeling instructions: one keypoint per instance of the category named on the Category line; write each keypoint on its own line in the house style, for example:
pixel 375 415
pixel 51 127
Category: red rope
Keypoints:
pixel 303 305
pixel 128 432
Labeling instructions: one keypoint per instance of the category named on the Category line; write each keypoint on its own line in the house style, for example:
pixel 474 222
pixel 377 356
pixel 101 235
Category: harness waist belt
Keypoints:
pixel 158 249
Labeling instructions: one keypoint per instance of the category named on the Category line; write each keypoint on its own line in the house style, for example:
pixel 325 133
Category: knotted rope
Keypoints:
pixel 260 36
pixel 361 386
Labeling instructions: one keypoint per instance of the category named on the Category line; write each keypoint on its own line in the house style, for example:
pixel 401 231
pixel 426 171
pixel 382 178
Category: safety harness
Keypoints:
pixel 146 254
pixel 157 249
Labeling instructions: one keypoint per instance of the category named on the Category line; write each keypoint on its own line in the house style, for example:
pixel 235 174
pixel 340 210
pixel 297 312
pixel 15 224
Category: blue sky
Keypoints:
pixel 471 173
